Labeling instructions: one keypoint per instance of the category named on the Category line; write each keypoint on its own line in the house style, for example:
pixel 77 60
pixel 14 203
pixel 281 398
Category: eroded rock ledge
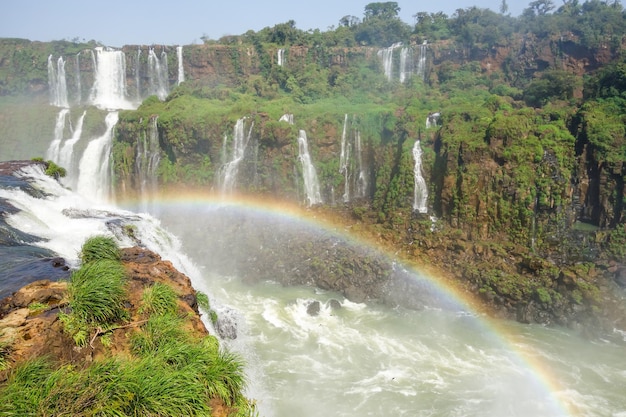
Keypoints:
pixel 30 326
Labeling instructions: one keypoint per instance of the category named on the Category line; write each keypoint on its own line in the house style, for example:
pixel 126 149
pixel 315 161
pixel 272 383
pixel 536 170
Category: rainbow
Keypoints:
pixel 320 219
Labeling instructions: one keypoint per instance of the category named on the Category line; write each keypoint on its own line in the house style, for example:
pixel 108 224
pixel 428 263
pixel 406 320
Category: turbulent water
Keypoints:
pixel 349 359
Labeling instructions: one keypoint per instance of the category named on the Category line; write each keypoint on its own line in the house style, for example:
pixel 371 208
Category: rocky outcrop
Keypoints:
pixel 31 326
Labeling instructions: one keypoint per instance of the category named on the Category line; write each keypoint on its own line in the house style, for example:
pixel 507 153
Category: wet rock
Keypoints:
pixel 334 304
pixel 226 325
pixel 313 309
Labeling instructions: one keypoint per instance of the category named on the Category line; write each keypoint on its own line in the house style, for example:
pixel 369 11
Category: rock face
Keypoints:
pixel 31 327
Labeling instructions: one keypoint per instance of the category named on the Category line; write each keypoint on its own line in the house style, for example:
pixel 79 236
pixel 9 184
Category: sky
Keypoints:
pixel 183 22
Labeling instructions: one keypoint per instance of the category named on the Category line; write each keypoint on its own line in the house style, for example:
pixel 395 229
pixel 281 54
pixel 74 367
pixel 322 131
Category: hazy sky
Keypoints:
pixel 183 22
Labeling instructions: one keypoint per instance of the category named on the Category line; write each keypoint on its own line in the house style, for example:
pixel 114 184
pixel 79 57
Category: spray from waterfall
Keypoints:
pixel 420 193
pixel 228 172
pixel 311 184
pixel 181 69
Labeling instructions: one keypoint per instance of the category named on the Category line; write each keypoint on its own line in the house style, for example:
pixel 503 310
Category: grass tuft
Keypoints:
pixel 99 247
pixel 159 299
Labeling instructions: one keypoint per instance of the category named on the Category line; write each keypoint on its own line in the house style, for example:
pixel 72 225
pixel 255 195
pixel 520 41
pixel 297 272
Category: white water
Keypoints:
pixel 57 83
pixel 357 360
pixel 280 57
pixel 420 192
pixel 386 55
pixel 287 117
pixel 79 87
pixel 361 184
pixel 94 176
pixel 181 68
pixel 309 174
pixel 109 88
pixel 59 130
pixel 405 61
pixel 67 158
pixel 158 74
pixel 344 157
pixel 228 171
pixel 421 60
pixel 372 360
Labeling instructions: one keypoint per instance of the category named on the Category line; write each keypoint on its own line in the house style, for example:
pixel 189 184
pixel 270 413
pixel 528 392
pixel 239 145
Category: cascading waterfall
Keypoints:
pixel 361 184
pixel 109 88
pixel 158 74
pixel 146 164
pixel 57 83
pixel 138 75
pixel 66 155
pixel 228 172
pixel 421 60
pixel 432 119
pixel 59 129
pixel 344 157
pixel 386 56
pixel 94 170
pixel 280 57
pixel 311 185
pixel 405 64
pixel 420 193
pixel 79 88
pixel 287 117
pixel 181 69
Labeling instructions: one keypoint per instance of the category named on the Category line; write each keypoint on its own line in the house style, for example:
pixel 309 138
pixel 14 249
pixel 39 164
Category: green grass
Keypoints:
pixel 97 292
pixel 99 247
pixel 159 299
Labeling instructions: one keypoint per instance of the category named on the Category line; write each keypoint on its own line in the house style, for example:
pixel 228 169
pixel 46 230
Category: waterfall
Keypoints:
pixel 344 157
pixel 57 83
pixel 432 119
pixel 158 74
pixel 311 185
pixel 287 117
pixel 280 57
pixel 94 170
pixel 228 172
pixel 405 64
pixel 361 185
pixel 421 60
pixel 79 87
pixel 181 69
pixel 386 56
pixel 138 75
pixel 59 129
pixel 109 87
pixel 66 155
pixel 147 162
pixel 420 193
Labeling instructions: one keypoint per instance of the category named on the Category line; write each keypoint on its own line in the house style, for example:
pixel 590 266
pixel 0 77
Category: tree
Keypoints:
pixel 386 10
pixel 504 7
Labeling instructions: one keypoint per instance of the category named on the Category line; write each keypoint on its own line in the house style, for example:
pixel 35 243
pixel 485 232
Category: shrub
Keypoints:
pixel 159 299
